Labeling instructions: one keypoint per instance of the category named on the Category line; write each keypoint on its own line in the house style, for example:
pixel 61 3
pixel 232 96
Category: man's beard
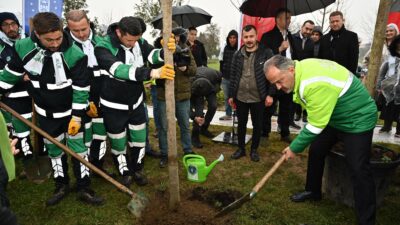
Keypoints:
pixel 12 35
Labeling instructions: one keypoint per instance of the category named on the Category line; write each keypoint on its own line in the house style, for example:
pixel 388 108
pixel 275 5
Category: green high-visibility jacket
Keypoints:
pixel 333 97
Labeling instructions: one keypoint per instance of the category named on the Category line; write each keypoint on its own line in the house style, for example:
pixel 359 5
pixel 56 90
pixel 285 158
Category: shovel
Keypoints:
pixel 247 197
pixel 138 201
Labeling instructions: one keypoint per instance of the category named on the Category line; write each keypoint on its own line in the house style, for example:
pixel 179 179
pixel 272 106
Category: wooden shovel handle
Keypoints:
pixel 69 151
pixel 261 183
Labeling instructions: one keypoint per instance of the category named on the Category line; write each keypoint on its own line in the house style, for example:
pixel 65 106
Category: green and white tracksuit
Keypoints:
pixel 95 133
pixel 122 96
pixel 18 99
pixel 332 97
pixel 59 86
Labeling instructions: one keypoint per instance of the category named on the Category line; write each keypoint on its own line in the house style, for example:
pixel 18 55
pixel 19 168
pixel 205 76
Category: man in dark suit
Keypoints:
pixel 340 45
pixel 280 40
pixel 304 47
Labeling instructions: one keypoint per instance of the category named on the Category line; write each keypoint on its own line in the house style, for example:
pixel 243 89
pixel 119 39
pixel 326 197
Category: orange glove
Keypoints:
pixel 74 125
pixel 92 112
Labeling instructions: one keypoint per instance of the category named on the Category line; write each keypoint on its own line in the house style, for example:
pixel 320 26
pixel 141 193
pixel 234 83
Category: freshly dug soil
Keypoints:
pixel 196 207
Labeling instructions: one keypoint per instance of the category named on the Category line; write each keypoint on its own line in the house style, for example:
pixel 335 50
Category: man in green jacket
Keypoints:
pixel 339 109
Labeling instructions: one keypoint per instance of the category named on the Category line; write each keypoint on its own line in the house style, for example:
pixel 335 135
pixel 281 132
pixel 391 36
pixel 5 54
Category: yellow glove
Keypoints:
pixel 74 125
pixel 170 44
pixel 165 72
pixel 92 112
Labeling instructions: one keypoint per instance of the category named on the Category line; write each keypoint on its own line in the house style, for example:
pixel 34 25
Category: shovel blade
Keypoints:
pixel 137 204
pixel 235 205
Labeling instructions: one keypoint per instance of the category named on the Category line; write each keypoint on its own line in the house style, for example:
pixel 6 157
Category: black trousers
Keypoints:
pixel 256 113
pixel 285 109
pixel 198 102
pixel 357 155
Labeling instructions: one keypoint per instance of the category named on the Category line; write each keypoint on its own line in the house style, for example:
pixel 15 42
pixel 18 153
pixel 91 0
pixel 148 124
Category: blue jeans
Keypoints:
pixel 182 110
pixel 148 146
pixel 156 110
pixel 225 87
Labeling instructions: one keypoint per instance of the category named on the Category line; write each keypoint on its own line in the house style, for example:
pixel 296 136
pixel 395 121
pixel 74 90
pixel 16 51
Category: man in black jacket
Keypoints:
pixel 205 86
pixel 340 45
pixel 280 41
pixel 197 48
pixel 304 47
pixel 249 89
pixel 225 64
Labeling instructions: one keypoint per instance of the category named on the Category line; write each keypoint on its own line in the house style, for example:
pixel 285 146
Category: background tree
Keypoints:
pixel 210 38
pixel 149 9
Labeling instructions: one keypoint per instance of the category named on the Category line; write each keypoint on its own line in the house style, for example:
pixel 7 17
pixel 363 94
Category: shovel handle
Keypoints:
pixel 263 180
pixel 69 151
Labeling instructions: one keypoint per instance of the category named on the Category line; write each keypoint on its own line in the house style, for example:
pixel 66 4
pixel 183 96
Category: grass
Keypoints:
pixel 271 206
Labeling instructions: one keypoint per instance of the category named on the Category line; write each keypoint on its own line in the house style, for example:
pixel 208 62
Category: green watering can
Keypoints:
pixel 196 167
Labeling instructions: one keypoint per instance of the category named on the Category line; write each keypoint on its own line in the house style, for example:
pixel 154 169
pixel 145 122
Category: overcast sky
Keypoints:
pixel 360 15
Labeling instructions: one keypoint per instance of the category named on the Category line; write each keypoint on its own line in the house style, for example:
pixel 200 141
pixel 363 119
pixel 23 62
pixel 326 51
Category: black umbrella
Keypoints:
pixel 268 8
pixel 185 16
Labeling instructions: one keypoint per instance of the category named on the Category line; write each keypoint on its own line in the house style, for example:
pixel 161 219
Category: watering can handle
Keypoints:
pixel 190 156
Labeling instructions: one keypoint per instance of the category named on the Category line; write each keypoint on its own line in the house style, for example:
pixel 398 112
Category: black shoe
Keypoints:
pixel 254 156
pixel 61 191
pixel 163 162
pixel 140 178
pixel 153 154
pixel 238 154
pixel 206 133
pixel 286 139
pixel 305 120
pixel 297 117
pixel 295 126
pixel 191 153
pixel 87 195
pixel 197 143
pixel 126 180
pixel 385 130
pixel 304 196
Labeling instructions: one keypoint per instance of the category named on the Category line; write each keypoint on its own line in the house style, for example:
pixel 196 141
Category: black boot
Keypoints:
pixel 238 154
pixel 163 161
pixel 196 140
pixel 87 195
pixel 60 192
pixel 140 178
pixel 126 181
pixel 254 155
pixel 205 132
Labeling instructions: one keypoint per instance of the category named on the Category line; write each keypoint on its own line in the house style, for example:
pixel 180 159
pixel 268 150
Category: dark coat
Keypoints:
pixel 273 39
pixel 307 52
pixel 225 64
pixel 199 53
pixel 264 87
pixel 342 47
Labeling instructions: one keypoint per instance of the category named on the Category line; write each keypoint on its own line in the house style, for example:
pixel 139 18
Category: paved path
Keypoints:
pixel 378 137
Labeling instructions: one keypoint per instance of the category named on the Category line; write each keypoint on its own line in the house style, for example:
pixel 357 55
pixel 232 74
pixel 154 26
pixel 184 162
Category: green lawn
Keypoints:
pixel 271 205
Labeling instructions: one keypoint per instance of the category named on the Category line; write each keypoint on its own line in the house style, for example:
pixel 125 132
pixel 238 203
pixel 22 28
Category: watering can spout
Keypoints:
pixel 211 166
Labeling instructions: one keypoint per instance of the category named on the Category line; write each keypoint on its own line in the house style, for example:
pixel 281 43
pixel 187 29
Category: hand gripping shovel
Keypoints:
pixel 138 201
pixel 247 197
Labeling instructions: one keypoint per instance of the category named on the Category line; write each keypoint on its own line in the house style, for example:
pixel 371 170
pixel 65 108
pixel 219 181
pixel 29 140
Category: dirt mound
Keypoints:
pixel 196 207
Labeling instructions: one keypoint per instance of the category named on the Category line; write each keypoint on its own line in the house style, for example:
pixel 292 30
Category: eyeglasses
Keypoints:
pixel 12 24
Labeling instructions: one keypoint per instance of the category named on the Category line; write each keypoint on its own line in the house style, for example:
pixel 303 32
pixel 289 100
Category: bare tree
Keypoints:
pixel 210 38
pixel 149 9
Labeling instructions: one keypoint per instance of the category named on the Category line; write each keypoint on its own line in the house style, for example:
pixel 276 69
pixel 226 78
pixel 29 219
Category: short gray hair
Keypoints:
pixel 280 62
pixel 76 15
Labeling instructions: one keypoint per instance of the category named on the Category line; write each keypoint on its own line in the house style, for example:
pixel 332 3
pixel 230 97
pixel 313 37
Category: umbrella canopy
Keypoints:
pixel 268 8
pixel 185 16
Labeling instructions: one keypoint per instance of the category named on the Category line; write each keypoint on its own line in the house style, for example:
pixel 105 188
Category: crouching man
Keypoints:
pixel 339 109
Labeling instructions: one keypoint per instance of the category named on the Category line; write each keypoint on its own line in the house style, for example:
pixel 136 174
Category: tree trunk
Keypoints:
pixel 166 7
pixel 377 45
